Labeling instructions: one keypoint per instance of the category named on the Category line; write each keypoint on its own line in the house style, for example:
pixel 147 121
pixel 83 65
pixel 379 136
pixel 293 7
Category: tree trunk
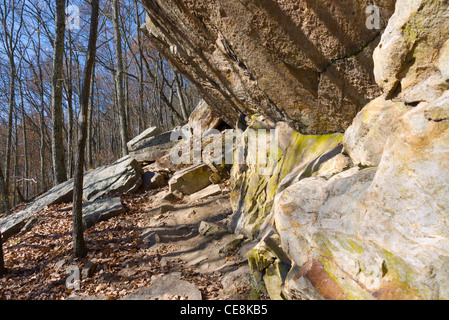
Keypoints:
pixel 3 190
pixel 119 78
pixel 57 140
pixel 79 245
pixel 181 96
pixel 2 262
pixel 70 110
pixel 142 116
pixel 9 136
pixel 25 144
pixel 90 123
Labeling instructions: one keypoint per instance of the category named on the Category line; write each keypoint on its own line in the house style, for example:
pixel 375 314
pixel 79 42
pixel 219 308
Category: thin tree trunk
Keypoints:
pixel 119 78
pixel 70 110
pixel 25 144
pixel 57 140
pixel 3 190
pixel 142 116
pixel 181 97
pixel 9 135
pixel 90 121
pixel 2 262
pixel 79 244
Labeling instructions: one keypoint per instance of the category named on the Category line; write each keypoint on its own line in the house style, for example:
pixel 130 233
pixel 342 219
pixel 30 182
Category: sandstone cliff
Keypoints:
pixel 362 215
pixel 305 62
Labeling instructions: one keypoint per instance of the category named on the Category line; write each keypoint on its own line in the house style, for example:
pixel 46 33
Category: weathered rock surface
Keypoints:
pixel 380 232
pixel 101 210
pixel 255 184
pixel 13 223
pixel 307 63
pixel 410 47
pixel 152 149
pixel 123 176
pixel 365 139
pixel 203 118
pixel 191 180
pixel 137 142
pixel 212 190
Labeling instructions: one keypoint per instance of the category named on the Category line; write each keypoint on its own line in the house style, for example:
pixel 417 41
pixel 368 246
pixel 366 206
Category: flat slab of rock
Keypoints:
pixel 154 148
pixel 13 223
pixel 123 176
pixel 165 287
pixel 142 138
pixel 210 191
pixel 101 210
pixel 191 180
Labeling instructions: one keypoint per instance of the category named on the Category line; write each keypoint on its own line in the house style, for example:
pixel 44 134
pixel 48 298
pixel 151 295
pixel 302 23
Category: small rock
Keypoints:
pixel 232 245
pixel 153 180
pixel 212 190
pixel 173 196
pixel 209 229
pixel 237 279
pixel 191 214
pixel 166 207
pixel 88 270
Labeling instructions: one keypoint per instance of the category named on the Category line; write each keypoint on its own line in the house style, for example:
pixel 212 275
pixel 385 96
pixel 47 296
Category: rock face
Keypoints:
pixel 381 232
pixel 256 183
pixel 410 59
pixel 359 216
pixel 137 142
pixel 365 139
pixel 308 63
pixel 362 216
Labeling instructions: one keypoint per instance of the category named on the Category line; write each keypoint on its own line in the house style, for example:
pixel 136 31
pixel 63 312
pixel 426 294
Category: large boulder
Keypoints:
pixel 256 181
pixel 123 176
pixel 308 63
pixel 365 139
pixel 137 142
pixel 191 179
pixel 152 149
pixel 14 222
pixel 379 232
pixel 410 49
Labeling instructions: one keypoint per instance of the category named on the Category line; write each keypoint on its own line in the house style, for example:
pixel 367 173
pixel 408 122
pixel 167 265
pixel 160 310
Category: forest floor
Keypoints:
pixel 127 251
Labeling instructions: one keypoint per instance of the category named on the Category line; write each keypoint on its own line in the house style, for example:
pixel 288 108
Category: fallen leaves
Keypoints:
pixel 37 261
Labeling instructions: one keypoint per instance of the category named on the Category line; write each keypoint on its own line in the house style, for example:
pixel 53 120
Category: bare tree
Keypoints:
pixel 11 25
pixel 2 262
pixel 79 245
pixel 57 140
pixel 119 77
